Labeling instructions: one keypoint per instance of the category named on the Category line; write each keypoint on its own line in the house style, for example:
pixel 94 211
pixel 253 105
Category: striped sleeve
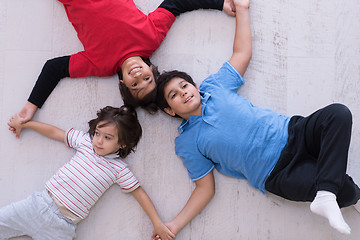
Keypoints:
pixel 73 138
pixel 126 179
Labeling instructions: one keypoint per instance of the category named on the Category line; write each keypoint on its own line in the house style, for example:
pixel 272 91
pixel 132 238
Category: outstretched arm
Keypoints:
pixel 242 48
pixel 53 71
pixel 200 197
pixel 145 202
pixel 47 130
pixel 176 7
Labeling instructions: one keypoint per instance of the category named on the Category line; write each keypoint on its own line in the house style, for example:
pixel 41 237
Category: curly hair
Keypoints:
pixel 126 121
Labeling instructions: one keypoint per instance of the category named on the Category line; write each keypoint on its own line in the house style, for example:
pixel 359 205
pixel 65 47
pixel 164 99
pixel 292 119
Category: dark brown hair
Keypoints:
pixel 148 102
pixel 163 80
pixel 127 123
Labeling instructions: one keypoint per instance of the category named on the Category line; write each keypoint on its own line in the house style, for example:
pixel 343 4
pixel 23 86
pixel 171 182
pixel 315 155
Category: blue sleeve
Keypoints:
pixel 197 165
pixel 227 77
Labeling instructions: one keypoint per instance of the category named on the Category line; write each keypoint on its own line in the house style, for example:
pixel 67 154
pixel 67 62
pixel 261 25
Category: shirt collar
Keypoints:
pixel 111 156
pixel 204 98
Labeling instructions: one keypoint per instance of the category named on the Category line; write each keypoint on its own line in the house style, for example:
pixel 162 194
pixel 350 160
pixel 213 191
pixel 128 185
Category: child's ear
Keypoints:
pixel 169 111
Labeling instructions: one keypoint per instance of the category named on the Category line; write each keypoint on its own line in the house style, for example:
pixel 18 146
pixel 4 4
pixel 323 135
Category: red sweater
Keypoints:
pixel 112 31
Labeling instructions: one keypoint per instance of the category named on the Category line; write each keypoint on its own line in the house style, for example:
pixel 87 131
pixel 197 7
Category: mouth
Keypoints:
pixel 97 148
pixel 188 99
pixel 134 69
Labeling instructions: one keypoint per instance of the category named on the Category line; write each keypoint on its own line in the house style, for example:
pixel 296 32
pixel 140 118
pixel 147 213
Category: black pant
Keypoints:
pixel 315 158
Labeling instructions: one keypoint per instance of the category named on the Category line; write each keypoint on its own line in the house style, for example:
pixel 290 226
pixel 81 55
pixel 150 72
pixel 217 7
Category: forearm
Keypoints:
pixel 46 130
pixel 197 202
pixel 242 40
pixel 176 7
pixel 242 47
pixel 148 206
pixel 53 71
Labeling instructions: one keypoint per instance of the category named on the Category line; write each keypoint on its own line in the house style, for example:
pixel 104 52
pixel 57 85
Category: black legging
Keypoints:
pixel 315 158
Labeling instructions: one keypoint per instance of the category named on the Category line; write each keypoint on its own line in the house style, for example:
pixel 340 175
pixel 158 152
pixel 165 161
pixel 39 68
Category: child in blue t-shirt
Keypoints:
pixel 298 158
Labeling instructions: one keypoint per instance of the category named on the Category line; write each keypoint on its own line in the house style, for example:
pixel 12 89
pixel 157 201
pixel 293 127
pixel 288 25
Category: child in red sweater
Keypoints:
pixel 117 38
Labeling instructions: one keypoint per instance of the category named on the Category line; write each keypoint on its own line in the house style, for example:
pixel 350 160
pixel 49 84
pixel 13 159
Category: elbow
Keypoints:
pixel 58 67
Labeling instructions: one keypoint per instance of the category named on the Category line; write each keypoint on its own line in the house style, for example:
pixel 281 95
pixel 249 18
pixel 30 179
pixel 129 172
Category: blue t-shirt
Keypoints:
pixel 232 135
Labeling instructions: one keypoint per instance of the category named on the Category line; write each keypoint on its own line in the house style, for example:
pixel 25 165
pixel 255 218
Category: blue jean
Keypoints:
pixel 38 217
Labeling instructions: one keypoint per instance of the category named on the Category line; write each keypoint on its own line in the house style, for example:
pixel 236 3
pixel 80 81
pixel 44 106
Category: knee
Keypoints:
pixel 341 113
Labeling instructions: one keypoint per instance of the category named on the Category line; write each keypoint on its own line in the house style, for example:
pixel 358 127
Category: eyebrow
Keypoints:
pixel 172 90
pixel 97 129
pixel 137 91
pixel 169 93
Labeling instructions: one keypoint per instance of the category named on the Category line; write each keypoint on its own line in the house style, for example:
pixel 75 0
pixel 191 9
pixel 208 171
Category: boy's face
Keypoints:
pixel 183 98
pixel 106 140
pixel 138 77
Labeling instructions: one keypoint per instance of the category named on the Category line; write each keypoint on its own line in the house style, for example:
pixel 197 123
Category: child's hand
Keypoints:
pixel 171 226
pixel 26 113
pixel 15 124
pixel 162 232
pixel 229 7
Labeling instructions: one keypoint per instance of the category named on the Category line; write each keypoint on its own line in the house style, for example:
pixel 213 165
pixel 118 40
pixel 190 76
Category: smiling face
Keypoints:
pixel 138 77
pixel 183 98
pixel 106 139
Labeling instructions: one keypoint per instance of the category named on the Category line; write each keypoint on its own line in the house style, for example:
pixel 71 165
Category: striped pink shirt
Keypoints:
pixel 82 181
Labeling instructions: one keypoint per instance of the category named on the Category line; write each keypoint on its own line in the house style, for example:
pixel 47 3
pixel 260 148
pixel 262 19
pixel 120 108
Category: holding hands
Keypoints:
pixel 162 232
pixel 230 6
pixel 15 125
pixel 26 113
pixel 171 227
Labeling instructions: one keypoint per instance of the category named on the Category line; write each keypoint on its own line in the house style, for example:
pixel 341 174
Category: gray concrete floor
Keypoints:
pixel 306 54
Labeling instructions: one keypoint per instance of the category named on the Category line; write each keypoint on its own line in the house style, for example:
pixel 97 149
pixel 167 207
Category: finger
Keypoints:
pixel 172 235
pixel 154 236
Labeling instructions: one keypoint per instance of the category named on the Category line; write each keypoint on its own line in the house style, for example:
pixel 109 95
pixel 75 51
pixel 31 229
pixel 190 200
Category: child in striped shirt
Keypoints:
pixel 75 188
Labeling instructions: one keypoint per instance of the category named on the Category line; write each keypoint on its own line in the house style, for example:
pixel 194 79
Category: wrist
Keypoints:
pixel 25 124
pixel 241 8
pixel 176 226
pixel 156 221
pixel 32 106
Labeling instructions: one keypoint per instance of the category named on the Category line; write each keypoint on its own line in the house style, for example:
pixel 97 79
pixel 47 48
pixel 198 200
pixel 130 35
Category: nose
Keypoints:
pixel 183 92
pixel 138 74
pixel 99 140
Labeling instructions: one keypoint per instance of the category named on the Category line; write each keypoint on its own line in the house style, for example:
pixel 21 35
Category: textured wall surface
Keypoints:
pixel 306 54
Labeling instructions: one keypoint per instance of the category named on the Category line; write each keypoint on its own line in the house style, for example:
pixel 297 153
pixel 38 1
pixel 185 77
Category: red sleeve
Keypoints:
pixel 81 66
pixel 162 20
